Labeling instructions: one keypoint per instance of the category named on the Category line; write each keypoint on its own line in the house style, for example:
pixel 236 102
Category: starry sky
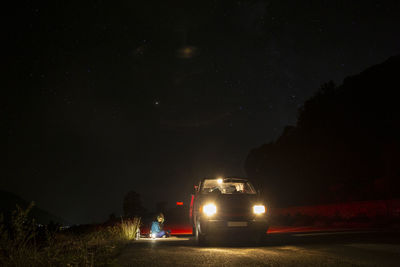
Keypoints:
pixel 105 97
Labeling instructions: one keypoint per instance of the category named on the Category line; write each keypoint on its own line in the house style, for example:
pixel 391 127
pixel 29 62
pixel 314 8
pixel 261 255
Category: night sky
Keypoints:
pixel 103 97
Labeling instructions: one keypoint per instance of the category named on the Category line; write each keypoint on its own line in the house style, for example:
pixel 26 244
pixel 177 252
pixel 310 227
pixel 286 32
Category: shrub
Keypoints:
pixel 23 243
pixel 130 228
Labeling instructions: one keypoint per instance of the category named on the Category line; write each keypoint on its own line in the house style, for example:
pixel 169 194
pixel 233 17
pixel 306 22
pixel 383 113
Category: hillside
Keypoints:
pixel 345 146
pixel 8 202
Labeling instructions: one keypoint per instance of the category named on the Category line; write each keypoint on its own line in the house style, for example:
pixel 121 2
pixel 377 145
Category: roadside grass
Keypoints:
pixel 23 243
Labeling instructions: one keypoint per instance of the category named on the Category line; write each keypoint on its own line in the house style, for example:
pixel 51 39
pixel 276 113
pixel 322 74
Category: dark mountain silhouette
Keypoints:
pixel 8 202
pixel 345 146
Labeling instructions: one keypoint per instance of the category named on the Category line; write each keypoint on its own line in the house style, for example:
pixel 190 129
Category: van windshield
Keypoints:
pixel 227 186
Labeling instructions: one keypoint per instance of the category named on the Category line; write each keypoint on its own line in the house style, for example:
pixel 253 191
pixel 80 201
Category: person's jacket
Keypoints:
pixel 155 227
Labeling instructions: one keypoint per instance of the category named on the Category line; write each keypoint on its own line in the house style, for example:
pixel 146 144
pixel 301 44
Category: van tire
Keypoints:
pixel 199 237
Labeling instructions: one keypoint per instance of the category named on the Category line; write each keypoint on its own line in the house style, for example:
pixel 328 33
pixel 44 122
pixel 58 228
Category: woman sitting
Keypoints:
pixel 157 226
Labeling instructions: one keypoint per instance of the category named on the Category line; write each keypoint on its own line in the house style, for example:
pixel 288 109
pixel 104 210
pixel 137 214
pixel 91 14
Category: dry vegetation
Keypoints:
pixel 23 243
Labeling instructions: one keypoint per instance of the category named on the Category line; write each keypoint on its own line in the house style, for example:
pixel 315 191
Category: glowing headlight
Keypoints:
pixel 259 209
pixel 209 209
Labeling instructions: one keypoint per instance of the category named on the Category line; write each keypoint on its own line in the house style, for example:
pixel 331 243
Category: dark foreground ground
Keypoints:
pixel 355 248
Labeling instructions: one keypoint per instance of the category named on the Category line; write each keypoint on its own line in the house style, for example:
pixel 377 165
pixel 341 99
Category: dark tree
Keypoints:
pixel 112 217
pixel 345 146
pixel 132 205
pixel 161 206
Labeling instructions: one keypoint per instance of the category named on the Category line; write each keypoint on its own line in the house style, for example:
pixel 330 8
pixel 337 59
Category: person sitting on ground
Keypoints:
pixel 156 230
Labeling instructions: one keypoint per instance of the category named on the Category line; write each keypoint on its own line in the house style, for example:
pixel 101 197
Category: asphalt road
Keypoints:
pixel 355 248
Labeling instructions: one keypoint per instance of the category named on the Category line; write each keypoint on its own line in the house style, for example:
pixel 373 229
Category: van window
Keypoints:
pixel 227 186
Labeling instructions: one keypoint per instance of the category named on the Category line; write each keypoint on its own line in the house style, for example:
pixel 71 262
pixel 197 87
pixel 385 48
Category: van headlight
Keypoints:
pixel 259 209
pixel 210 209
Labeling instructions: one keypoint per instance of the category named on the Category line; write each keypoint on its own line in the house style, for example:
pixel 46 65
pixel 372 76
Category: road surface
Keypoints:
pixel 348 248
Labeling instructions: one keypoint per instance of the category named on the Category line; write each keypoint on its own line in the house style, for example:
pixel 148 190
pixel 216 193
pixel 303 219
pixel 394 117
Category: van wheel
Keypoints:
pixel 200 238
pixel 262 239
